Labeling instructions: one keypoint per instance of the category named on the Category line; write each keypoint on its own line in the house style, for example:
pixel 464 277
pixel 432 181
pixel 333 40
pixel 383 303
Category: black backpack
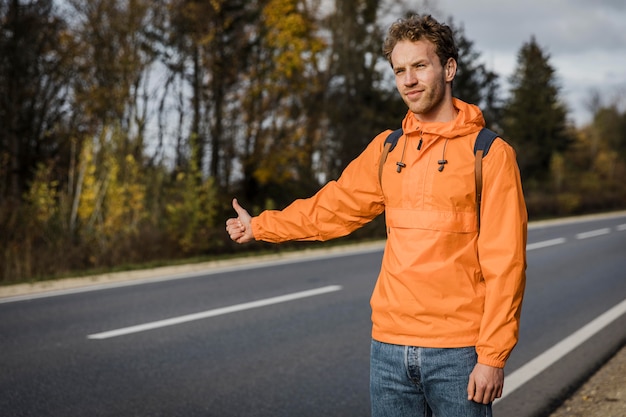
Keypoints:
pixel 481 147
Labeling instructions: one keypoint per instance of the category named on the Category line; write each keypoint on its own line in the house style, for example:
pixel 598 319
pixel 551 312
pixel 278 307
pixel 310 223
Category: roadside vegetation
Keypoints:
pixel 126 127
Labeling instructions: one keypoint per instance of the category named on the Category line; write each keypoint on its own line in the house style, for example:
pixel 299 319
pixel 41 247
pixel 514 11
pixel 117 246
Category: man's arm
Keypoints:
pixel 502 254
pixel 240 229
pixel 337 209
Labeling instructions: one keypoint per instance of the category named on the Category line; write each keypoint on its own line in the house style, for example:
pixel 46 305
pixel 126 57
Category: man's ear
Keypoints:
pixel 450 69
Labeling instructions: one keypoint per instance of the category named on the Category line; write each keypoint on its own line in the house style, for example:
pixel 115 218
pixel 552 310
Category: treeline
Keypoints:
pixel 126 127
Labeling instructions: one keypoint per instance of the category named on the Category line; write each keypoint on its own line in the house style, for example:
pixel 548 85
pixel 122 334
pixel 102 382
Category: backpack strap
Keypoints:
pixel 481 147
pixel 390 143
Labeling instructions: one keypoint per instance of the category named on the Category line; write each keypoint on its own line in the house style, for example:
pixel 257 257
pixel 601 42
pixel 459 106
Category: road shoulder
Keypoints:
pixel 602 395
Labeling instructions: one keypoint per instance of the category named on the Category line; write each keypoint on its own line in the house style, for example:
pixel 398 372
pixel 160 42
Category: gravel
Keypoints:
pixel 602 395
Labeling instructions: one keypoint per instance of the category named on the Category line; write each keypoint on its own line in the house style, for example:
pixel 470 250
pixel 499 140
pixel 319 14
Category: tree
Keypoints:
pixel 357 105
pixel 205 44
pixel 35 71
pixel 534 117
pixel 276 143
pixel 111 94
pixel 589 175
pixel 114 60
pixel 610 124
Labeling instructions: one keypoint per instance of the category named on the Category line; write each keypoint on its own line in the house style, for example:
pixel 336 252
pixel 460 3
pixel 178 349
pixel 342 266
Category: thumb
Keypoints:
pixel 241 212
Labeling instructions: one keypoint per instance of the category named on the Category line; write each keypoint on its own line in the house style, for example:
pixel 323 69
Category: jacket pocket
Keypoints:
pixel 445 221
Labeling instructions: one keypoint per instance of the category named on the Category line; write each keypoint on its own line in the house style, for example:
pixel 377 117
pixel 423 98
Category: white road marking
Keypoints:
pixel 545 243
pixel 556 352
pixel 621 228
pixel 216 312
pixel 593 233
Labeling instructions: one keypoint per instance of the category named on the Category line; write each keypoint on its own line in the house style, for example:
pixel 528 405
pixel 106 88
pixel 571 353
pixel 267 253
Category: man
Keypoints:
pixel 447 302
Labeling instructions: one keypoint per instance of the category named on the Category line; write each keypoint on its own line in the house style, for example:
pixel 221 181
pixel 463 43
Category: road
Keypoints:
pixel 291 337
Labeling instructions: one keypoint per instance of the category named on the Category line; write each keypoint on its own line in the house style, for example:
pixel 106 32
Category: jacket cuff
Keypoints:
pixel 491 362
pixel 256 229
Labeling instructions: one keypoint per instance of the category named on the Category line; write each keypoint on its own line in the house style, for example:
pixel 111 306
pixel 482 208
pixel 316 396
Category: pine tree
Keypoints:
pixel 535 120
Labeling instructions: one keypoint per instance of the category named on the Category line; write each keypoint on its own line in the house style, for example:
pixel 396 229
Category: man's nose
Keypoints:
pixel 409 78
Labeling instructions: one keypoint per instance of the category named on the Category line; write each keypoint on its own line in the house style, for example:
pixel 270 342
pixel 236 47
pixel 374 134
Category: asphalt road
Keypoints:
pixel 289 338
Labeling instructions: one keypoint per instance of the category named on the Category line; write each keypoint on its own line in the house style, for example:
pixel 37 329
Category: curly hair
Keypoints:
pixel 422 27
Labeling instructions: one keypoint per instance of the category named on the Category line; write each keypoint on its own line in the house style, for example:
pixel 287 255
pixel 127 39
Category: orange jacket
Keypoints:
pixel 441 284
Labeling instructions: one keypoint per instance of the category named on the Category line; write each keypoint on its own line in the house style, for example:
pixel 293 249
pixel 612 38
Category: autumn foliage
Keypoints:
pixel 127 126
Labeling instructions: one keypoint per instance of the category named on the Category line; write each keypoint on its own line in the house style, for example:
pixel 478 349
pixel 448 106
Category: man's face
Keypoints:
pixel 420 77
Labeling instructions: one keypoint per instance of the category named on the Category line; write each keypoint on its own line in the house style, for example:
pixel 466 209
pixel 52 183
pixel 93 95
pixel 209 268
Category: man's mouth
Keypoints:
pixel 414 94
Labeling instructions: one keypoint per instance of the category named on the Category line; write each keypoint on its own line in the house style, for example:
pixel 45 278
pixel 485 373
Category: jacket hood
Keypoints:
pixel 469 120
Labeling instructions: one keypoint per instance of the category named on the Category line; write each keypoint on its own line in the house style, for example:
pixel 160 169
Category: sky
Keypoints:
pixel 584 39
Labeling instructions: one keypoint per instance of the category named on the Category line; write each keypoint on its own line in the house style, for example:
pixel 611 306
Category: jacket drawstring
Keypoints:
pixel 401 163
pixel 443 161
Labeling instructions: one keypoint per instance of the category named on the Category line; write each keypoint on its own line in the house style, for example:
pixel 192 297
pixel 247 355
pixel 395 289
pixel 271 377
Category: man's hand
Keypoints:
pixel 485 384
pixel 239 229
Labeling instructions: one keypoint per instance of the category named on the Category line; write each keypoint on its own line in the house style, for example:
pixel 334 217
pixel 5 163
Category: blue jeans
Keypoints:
pixel 408 381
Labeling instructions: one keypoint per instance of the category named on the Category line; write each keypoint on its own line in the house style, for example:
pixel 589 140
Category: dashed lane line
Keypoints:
pixel 215 312
pixel 545 243
pixel 579 236
pixel 593 233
